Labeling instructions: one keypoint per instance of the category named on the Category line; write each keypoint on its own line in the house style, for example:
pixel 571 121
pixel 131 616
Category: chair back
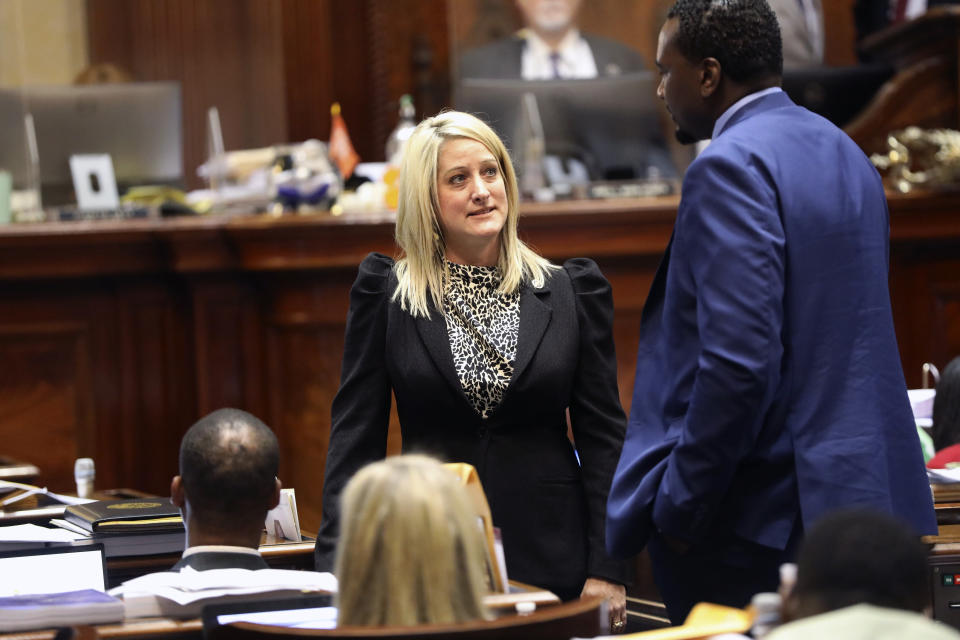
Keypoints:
pixel 579 618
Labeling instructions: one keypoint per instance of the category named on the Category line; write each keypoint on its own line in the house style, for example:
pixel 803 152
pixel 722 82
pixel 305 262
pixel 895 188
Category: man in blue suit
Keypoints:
pixel 769 389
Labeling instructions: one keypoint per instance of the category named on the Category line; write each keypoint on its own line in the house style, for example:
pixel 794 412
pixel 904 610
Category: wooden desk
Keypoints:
pixel 944 559
pixel 279 554
pixel 154 628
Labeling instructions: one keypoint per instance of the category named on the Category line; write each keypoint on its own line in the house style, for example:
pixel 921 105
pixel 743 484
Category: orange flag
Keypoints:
pixel 341 149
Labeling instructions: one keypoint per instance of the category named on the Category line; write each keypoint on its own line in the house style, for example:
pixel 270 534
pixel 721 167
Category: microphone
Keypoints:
pixel 83 473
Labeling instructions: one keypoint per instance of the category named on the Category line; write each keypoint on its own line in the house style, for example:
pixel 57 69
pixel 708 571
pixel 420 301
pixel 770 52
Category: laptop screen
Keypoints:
pixel 52 570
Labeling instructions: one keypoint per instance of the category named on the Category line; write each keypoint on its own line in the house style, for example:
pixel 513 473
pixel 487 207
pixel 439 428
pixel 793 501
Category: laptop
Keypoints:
pixel 139 124
pixel 306 612
pixel 839 94
pixel 53 570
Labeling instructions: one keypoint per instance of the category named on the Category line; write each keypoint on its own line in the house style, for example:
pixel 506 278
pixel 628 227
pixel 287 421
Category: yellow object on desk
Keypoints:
pixel 705 620
pixel 393 193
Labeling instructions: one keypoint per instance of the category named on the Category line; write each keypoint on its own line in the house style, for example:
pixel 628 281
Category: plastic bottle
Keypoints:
pixel 766 607
pixel 405 126
pixel 83 473
pixel 394 152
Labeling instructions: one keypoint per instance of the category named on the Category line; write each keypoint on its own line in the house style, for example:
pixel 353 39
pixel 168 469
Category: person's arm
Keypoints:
pixel 729 244
pixel 596 415
pixel 361 409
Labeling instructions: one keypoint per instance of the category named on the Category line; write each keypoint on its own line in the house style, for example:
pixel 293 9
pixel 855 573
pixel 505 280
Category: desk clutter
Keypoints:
pixel 125 516
pixel 53 586
pixel 137 527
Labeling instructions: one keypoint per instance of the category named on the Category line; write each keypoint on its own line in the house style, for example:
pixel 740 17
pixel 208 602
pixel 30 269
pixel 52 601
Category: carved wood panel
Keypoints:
pixel 120 351
pixel 157 381
pixel 228 334
pixel 46 417
pixel 926 303
pixel 305 320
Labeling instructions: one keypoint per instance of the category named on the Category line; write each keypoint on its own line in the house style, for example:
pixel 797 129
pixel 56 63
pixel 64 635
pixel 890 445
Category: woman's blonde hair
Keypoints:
pixel 421 268
pixel 410 550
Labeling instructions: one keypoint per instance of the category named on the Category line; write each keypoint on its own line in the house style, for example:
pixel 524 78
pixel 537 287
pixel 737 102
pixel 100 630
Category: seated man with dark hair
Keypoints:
pixel 861 574
pixel 227 484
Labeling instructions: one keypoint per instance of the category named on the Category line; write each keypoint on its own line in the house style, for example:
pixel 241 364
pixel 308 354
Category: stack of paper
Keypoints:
pixel 921 401
pixel 185 593
pixel 945 484
pixel 943 476
pixel 26 536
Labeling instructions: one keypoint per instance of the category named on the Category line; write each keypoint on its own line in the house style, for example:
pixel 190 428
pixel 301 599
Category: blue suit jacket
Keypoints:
pixel 768 383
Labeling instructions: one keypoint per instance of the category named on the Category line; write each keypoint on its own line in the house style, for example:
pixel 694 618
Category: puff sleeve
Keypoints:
pixel 596 415
pixel 361 409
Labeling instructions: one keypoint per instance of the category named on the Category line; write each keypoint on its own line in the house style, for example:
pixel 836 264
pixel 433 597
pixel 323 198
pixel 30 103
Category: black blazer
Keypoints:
pixel 550 509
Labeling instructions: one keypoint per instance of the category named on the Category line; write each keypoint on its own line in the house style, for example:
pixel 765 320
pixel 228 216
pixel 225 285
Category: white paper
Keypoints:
pixel 282 521
pixel 921 401
pixel 36 533
pixel 31 489
pixel 311 618
pixel 69 526
pixel 189 585
pixel 943 476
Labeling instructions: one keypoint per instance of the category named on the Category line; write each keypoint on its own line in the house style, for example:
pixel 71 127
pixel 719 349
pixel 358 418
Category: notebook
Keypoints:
pixel 52 570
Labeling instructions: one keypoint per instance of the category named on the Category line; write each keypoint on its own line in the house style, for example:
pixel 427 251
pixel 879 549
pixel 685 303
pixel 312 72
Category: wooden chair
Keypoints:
pixel 580 618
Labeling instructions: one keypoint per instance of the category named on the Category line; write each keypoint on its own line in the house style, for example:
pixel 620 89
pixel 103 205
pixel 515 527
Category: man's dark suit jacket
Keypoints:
pixel 502 59
pixel 221 560
pixel 550 509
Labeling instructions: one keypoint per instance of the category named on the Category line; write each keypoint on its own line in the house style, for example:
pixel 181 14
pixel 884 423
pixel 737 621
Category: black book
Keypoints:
pixel 142 515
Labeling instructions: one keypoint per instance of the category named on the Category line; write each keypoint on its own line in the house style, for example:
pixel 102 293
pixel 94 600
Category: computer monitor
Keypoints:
pixel 612 124
pixel 838 94
pixel 52 570
pixel 139 124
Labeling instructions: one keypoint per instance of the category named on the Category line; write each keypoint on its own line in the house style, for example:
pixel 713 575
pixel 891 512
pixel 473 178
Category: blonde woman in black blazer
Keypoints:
pixel 485 345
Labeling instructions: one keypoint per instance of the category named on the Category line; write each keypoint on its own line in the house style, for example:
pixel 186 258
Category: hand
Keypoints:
pixel 616 596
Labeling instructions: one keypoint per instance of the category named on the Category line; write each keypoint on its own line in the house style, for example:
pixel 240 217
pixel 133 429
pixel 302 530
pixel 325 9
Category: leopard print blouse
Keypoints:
pixel 483 326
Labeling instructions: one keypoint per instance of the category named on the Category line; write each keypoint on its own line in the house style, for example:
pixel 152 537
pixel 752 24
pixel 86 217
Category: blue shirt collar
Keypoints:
pixel 740 104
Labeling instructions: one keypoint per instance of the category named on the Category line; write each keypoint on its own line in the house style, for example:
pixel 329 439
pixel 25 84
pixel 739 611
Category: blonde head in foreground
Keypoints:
pixel 410 550
pixel 419 232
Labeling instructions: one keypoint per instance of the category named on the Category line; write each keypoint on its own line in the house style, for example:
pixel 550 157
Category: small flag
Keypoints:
pixel 341 149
